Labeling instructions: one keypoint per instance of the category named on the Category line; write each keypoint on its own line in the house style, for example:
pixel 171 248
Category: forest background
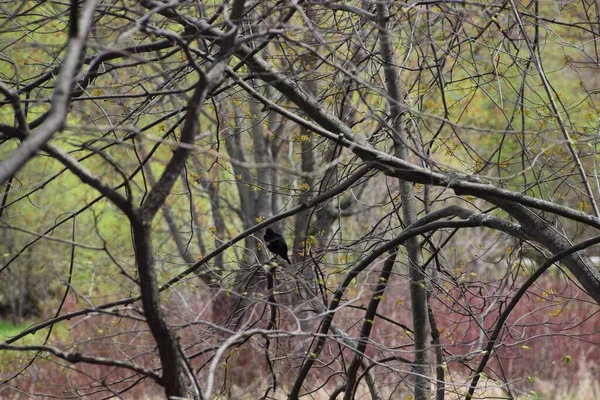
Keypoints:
pixel 431 164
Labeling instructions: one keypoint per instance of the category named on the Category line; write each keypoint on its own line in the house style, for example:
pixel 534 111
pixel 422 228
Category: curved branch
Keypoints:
pixel 515 300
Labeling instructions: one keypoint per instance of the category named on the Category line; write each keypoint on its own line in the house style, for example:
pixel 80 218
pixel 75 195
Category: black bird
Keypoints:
pixel 276 244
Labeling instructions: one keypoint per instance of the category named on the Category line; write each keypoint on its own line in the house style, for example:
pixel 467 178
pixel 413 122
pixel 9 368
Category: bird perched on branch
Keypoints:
pixel 276 244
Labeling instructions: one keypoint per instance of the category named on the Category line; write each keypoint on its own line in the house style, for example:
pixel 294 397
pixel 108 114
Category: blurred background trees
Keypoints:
pixel 432 166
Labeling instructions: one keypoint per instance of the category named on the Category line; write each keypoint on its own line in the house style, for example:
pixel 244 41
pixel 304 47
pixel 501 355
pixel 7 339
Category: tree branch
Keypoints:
pixel 78 358
pixel 365 332
pixel 487 353
pixel 60 99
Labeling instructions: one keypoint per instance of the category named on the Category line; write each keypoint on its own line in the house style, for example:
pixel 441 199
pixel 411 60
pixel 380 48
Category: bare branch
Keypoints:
pixel 60 99
pixel 80 358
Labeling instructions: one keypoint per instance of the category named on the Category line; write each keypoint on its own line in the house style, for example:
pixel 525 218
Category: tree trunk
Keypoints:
pixel 418 283
pixel 170 357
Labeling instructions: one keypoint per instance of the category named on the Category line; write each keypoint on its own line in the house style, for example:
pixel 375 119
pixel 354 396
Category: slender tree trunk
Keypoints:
pixel 418 283
pixel 216 271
